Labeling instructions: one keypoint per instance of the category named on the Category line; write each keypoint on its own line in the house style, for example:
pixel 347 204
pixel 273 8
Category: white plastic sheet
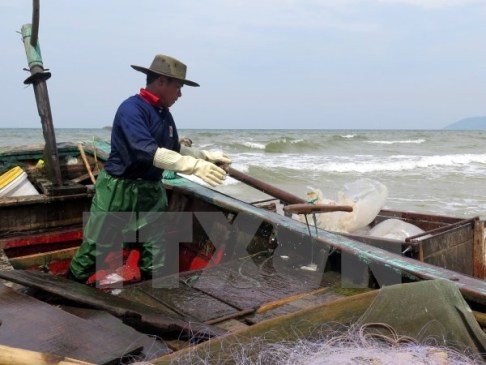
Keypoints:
pixel 395 229
pixel 366 196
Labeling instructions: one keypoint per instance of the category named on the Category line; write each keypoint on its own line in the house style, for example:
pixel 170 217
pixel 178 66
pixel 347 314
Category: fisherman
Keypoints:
pixel 144 143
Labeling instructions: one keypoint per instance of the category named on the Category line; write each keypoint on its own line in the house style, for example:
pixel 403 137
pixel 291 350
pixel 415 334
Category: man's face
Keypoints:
pixel 169 91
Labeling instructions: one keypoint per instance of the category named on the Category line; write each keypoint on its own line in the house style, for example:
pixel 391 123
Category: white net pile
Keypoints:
pixel 352 347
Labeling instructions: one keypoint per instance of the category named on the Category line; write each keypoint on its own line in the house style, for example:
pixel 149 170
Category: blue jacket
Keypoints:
pixel 139 128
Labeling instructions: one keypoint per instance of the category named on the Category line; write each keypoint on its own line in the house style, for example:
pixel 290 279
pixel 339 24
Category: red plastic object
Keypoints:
pixel 97 277
pixel 128 271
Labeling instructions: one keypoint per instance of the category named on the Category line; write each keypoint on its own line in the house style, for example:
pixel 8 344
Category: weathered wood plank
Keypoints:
pixel 43 259
pixel 233 325
pixel 252 282
pixel 84 177
pixel 329 295
pixel 134 294
pixel 141 317
pixel 15 356
pixel 479 254
pixel 37 212
pixel 232 290
pixel 280 302
pixel 190 302
pixel 451 249
pixel 481 318
pixel 152 346
pixel 173 292
pixel 34 325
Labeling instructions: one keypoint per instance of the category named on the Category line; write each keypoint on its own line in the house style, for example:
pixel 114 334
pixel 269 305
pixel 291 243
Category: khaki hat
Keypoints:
pixel 167 66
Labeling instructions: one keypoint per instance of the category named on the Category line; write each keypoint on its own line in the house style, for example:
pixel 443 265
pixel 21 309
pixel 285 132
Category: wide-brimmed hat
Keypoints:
pixel 167 66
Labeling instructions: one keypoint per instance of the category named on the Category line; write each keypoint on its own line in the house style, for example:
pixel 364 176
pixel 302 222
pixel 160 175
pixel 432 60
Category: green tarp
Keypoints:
pixel 432 312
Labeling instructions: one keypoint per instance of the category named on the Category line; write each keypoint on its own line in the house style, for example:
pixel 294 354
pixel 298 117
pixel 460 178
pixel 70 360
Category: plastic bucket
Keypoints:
pixel 15 183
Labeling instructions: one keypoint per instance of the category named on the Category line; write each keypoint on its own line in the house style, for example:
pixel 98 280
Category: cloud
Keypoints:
pixel 269 57
pixel 433 4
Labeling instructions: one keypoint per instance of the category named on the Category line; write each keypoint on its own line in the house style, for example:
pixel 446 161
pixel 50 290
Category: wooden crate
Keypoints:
pixel 451 243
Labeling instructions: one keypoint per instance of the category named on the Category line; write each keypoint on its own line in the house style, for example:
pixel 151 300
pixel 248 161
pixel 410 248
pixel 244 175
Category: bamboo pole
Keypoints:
pixel 86 163
pixel 15 356
pixel 278 303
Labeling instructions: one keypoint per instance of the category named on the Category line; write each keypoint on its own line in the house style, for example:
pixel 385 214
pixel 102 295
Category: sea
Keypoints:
pixel 427 171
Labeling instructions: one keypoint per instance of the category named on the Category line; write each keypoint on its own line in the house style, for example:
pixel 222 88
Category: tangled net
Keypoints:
pixel 366 345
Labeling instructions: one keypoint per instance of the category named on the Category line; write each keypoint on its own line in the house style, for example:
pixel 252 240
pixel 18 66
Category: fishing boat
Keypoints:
pixel 37 229
pixel 242 269
pixel 49 205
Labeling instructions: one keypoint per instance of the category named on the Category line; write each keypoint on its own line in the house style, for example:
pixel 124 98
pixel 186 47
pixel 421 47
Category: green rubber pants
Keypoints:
pixel 121 209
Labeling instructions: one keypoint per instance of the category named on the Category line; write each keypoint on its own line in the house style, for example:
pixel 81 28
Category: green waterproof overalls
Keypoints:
pixel 121 208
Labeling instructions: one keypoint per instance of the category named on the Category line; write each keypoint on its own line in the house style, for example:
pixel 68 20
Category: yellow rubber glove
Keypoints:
pixel 214 157
pixel 209 172
pixel 170 160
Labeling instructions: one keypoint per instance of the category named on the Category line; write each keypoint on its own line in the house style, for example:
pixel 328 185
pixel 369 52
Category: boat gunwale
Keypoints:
pixel 472 288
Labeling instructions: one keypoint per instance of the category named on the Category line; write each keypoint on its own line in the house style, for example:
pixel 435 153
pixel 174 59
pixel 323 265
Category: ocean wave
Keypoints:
pixel 280 173
pixel 348 137
pixel 311 142
pixel 242 147
pixel 290 145
pixel 368 163
pixel 403 163
pixel 254 145
pixel 408 141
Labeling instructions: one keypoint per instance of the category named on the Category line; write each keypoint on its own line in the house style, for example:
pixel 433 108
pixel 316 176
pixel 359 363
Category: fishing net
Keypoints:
pixel 407 324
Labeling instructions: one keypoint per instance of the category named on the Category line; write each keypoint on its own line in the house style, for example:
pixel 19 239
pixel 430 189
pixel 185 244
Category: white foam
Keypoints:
pixel 367 163
pixel 408 141
pixel 254 145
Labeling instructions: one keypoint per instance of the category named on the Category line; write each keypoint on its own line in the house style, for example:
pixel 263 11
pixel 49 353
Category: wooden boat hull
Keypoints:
pixel 452 243
pixel 456 246
pixel 54 207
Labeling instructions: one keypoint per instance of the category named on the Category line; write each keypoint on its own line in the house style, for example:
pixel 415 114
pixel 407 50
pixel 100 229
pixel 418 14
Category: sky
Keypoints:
pixel 261 64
